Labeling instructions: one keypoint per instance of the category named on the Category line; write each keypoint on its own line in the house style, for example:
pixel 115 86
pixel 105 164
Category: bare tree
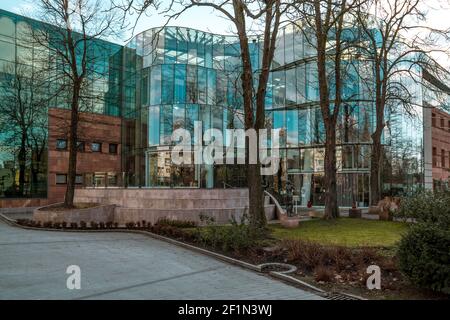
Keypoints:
pixel 243 15
pixel 323 23
pixel 388 28
pixel 69 31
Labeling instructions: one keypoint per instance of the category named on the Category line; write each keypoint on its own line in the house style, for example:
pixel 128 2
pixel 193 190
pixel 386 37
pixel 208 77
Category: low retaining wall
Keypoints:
pixel 178 204
pixel 221 216
pixel 102 213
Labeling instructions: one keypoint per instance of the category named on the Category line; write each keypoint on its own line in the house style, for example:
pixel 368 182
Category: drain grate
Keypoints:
pixel 340 296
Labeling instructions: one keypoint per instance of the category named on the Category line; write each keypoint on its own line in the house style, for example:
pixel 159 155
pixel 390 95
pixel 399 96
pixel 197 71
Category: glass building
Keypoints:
pixel 168 78
pixel 32 81
pixel 179 75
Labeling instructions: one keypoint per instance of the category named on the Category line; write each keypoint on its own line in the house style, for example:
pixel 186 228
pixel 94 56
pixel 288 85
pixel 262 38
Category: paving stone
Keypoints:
pixel 122 266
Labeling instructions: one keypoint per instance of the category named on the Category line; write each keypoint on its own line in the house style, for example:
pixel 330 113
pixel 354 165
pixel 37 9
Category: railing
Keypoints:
pixel 227 186
pixel 280 210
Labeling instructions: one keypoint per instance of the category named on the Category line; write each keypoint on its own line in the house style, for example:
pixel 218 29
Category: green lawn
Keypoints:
pixel 345 231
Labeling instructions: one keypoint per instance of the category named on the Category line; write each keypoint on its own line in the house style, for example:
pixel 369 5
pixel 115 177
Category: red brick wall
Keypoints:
pixel 92 128
pixel 441 141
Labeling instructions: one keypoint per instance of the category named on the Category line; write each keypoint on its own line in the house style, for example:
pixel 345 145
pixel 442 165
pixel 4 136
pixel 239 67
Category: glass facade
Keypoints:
pixel 184 75
pixel 31 81
pixel 168 78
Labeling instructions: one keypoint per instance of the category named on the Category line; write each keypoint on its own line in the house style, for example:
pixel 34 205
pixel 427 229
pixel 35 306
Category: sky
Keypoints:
pixel 206 19
pixel 199 18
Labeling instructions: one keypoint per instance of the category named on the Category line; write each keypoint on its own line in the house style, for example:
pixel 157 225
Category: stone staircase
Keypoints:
pixel 178 204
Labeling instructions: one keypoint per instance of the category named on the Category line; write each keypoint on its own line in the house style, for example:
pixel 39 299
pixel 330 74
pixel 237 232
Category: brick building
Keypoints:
pixel 98 161
pixel 440 123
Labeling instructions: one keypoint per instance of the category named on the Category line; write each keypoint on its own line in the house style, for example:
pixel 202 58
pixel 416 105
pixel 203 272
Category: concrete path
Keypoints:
pixel 122 266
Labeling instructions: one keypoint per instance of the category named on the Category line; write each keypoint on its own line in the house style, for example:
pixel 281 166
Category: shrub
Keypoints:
pixel 427 207
pixel 177 223
pixel 424 256
pixel 83 224
pixel 48 224
pixel 322 273
pixel 94 225
pixel 309 255
pixel 207 220
pixel 130 225
pixel 74 225
pixel 25 222
pixel 239 236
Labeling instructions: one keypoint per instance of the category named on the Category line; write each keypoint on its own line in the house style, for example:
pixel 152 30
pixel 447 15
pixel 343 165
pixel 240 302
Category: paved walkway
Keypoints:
pixel 122 266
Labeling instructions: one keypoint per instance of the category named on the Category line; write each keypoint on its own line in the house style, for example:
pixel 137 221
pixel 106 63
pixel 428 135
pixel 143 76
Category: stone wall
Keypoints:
pixel 179 204
pixel 104 213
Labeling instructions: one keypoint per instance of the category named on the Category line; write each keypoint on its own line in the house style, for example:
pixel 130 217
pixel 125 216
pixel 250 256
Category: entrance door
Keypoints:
pixel 310 187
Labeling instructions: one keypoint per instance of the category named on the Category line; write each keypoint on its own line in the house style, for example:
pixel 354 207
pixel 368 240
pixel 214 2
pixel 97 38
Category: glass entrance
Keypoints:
pixel 351 188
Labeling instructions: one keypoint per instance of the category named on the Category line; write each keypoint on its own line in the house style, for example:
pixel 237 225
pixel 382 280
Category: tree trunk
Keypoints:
pixel 22 164
pixel 256 197
pixel 73 149
pixel 375 161
pixel 331 205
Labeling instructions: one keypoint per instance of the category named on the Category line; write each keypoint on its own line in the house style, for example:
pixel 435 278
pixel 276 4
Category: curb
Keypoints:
pixel 280 275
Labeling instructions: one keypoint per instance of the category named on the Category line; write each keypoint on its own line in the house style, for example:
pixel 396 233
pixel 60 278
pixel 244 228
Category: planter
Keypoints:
pixel 291 223
pixel 316 214
pixel 354 213
pixel 385 215
pixel 374 210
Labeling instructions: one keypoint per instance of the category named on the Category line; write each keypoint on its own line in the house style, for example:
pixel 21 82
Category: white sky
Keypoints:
pixel 207 20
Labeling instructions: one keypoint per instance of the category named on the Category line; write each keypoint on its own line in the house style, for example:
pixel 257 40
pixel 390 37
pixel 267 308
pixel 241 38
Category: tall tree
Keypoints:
pixel 243 15
pixel 397 42
pixel 323 23
pixel 69 32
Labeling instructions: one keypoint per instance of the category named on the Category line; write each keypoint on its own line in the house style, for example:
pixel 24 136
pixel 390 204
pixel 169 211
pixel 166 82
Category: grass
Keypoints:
pixel 345 232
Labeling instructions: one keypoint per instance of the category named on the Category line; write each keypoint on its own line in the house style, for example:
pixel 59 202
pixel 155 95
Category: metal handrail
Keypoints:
pixel 280 210
pixel 225 185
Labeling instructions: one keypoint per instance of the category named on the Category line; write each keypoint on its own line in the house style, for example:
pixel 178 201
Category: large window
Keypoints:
pixel 166 125
pixel 211 87
pixel 155 87
pixel 178 116
pixel 153 126
pixel 202 85
pixel 7 27
pixel 191 84
pixel 167 88
pixel 180 83
pixel 7 51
